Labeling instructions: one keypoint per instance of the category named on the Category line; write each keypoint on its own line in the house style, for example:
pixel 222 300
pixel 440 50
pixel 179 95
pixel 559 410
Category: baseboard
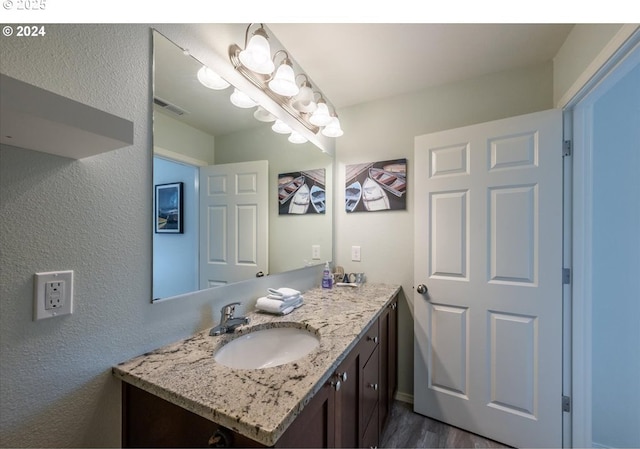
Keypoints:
pixel 404 397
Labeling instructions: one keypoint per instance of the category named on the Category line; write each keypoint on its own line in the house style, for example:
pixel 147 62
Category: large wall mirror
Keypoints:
pixel 232 199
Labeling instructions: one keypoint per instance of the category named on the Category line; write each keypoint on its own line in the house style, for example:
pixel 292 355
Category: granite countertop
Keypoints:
pixel 260 403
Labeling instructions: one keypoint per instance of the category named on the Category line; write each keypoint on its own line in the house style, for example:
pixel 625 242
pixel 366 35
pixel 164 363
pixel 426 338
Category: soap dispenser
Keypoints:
pixel 327 278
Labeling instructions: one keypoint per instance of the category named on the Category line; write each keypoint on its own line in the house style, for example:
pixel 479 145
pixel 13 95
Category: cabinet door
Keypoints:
pixel 314 427
pixel 370 387
pixel 388 361
pixel 347 411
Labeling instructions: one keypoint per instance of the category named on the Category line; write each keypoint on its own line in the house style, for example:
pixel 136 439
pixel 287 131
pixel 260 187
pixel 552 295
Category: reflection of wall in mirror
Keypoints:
pixel 175 256
pixel 290 241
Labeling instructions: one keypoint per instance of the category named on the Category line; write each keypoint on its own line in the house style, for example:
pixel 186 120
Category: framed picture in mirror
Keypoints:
pixel 168 215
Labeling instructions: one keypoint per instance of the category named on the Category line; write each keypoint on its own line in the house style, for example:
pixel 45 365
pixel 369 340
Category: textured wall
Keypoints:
pixel 91 216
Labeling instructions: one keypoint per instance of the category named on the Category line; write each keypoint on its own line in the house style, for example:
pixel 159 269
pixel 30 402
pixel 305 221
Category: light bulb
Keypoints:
pixel 281 127
pixel 321 115
pixel 262 115
pixel 209 78
pixel 257 55
pixel 284 82
pixel 242 100
pixel 303 102
pixel 333 128
pixel 296 137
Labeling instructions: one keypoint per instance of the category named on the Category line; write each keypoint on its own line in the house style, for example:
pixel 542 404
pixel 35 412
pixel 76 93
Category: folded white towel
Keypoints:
pixel 278 306
pixel 283 293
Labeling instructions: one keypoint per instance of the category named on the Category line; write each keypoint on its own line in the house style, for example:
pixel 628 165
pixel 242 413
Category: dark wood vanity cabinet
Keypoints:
pixel 350 410
pixel 363 388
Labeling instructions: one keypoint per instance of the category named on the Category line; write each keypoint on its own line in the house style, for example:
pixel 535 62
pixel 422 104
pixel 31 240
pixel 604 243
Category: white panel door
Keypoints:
pixel 234 230
pixel 488 236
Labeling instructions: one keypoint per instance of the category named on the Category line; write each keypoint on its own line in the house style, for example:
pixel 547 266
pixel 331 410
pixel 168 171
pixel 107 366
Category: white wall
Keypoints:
pixel 172 135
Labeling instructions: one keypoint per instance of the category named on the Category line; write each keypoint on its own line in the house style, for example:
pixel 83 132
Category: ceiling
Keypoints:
pixel 359 62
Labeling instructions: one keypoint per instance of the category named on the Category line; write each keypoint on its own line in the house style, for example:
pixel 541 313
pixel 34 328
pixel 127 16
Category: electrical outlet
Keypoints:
pixel 52 294
pixel 355 253
pixel 315 252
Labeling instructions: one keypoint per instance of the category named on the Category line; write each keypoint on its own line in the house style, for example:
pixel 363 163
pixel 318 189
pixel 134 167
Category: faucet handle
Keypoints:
pixel 229 308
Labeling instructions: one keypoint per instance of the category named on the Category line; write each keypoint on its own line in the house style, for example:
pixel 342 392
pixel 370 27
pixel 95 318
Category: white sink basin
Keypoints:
pixel 267 348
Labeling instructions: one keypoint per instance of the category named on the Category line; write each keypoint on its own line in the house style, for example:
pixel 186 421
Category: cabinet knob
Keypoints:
pixel 336 385
pixel 221 438
pixel 374 386
pixel 373 339
pixel 343 376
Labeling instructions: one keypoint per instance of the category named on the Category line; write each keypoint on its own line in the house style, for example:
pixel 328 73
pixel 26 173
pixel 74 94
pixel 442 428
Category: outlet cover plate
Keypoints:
pixel 39 289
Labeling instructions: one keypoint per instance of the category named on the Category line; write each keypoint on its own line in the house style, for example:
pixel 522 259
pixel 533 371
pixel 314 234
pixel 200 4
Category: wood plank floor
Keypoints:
pixel 406 429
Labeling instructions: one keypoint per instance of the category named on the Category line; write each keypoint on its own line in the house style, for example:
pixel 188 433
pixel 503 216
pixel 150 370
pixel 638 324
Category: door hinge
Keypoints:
pixel 566 404
pixel 566 148
pixel 566 276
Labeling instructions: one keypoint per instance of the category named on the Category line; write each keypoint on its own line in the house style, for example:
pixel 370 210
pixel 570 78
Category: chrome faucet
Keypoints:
pixel 228 322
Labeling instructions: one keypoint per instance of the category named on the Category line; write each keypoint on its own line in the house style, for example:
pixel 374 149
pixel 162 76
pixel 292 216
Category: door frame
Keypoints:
pixel 578 186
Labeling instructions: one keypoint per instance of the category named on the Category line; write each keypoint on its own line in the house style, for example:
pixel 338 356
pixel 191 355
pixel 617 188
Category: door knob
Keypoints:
pixel 422 289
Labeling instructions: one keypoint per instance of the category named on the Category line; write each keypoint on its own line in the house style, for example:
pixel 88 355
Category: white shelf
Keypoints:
pixel 37 119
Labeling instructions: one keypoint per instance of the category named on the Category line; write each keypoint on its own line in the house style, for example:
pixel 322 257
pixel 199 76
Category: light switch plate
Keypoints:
pixel 315 252
pixel 355 253
pixel 52 294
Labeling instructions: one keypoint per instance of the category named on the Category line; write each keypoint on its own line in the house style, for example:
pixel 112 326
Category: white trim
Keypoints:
pixel 177 157
pixel 404 397
pixel 581 309
pixel 625 32
pixel 582 229
pixel 567 298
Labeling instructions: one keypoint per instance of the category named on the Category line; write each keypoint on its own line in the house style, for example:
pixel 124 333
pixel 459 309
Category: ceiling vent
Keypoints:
pixel 169 107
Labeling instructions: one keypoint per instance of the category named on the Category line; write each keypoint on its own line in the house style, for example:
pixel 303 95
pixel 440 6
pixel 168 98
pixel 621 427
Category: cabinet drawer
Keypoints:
pixel 370 341
pixel 370 386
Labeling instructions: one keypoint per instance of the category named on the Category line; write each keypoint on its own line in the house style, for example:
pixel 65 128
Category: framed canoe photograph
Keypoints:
pixel 302 192
pixel 376 186
pixel 168 208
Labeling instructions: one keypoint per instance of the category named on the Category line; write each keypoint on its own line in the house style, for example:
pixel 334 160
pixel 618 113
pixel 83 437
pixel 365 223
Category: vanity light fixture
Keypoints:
pixel 257 66
pixel 256 55
pixel 209 78
pixel 333 129
pixel 284 81
pixel 242 100
pixel 304 101
pixel 320 116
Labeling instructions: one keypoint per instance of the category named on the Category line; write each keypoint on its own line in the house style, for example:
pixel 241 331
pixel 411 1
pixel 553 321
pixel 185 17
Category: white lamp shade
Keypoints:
pixel 262 115
pixel 242 100
pixel 284 82
pixel 333 128
pixel 304 102
pixel 257 55
pixel 321 115
pixel 281 127
pixel 296 137
pixel 209 78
